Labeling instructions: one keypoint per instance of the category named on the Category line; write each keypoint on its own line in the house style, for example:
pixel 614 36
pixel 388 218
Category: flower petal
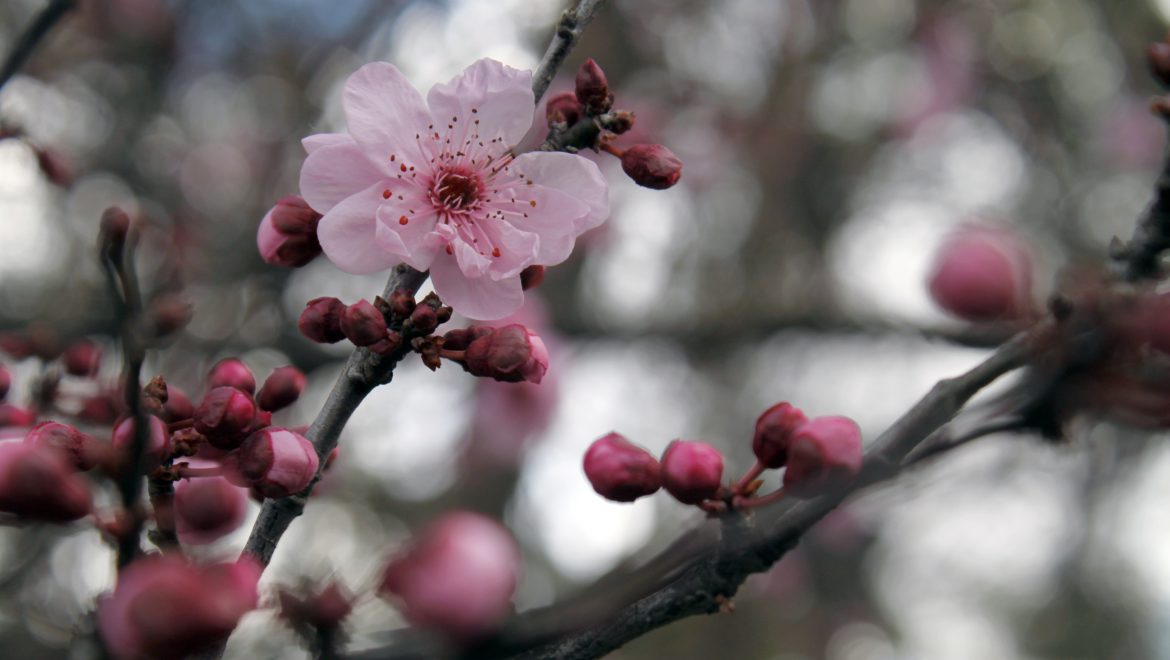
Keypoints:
pixel 318 140
pixel 518 248
pixel 554 218
pixel 416 242
pixel 384 113
pixel 335 171
pixel 347 234
pixel 480 298
pixel 570 174
pixel 499 96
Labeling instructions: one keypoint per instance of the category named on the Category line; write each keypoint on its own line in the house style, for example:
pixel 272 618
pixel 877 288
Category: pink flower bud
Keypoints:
pixel 461 338
pixel 11 415
pixel 80 448
pixel 457 576
pixel 531 277
pixel 652 166
pixel 100 409
pixel 982 274
pixel 158 444
pixel 288 233
pixel 774 431
pixel 168 313
pixel 592 89
pixel 82 358
pixel 178 406
pixel 402 303
pixel 563 108
pixel 281 389
pixel 424 320
pixel 510 354
pixel 321 320
pixel 620 470
pixel 231 372
pixel 691 471
pixel 37 483
pixel 824 451
pixel 363 324
pixel 5 382
pixel 276 462
pixel 225 417
pixel 208 508
pixel 164 607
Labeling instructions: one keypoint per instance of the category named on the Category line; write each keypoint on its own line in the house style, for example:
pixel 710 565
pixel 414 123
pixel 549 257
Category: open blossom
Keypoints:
pixel 435 185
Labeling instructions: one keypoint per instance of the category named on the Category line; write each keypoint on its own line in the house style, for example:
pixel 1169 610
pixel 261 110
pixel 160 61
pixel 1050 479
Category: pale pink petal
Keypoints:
pixel 268 239
pixel 385 113
pixel 416 242
pixel 554 219
pixel 573 175
pixel 518 249
pixel 333 172
pixel 471 262
pixel 500 96
pixel 347 234
pixel 318 140
pixel 481 298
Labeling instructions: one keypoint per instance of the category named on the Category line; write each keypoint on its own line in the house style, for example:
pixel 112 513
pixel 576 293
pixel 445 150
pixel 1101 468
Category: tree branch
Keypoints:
pixel 569 29
pixel 33 34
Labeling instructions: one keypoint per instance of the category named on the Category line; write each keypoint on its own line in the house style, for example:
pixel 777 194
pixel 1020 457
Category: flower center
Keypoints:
pixel 457 190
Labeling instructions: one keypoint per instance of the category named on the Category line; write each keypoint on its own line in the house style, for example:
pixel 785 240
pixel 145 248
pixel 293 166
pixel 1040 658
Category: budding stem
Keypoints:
pixel 748 477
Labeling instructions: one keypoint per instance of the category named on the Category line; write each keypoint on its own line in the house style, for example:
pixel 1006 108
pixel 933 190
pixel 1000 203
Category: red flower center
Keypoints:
pixel 457 190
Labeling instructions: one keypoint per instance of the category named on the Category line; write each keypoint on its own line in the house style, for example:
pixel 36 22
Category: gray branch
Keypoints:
pixel 569 29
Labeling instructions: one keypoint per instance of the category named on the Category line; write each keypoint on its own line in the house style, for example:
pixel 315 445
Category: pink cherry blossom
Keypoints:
pixel 435 185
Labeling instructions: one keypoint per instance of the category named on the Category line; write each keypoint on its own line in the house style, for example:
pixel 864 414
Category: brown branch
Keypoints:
pixel 569 29
pixel 33 34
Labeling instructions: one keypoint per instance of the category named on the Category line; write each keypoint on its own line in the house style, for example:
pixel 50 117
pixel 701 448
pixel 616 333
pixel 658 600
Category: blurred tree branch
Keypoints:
pixel 32 36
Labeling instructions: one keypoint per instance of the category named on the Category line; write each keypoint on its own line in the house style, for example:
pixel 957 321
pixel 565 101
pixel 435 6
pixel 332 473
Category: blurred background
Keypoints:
pixel 829 146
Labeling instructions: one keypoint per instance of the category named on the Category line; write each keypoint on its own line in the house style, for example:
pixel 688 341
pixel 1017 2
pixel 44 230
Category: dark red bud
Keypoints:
pixel 692 471
pixel 11 415
pixel 82 358
pixel 225 417
pixel 401 303
pixel 81 449
pixel 824 451
pixel 531 277
pixel 592 88
pixel 321 320
pixel 231 372
pixel 363 324
pixel 178 405
pixel 423 320
pixel 774 430
pixel 288 233
pixel 276 462
pixel 563 108
pixel 281 389
pixel 510 354
pixel 620 470
pixel 652 166
pixel 460 339
pixel 37 483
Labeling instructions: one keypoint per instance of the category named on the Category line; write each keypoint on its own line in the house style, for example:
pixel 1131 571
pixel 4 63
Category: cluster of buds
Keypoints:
pixel 586 116
pixel 983 274
pixel 816 454
pixel 384 326
pixel 510 354
pixel 288 233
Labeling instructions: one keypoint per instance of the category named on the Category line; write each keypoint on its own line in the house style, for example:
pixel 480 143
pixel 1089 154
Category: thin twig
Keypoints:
pixel 33 34
pixel 569 29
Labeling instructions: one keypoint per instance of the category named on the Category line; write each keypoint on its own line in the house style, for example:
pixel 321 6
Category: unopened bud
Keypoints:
pixel 592 88
pixel 231 372
pixel 563 108
pixel 620 470
pixel 158 442
pixel 37 483
pixel 82 358
pixel 276 462
pixel 208 508
pixel 531 277
pixel 100 409
pixel 288 233
pixel 225 417
pixel 11 415
pixel 80 448
pixel 692 471
pixel 178 405
pixel 824 451
pixel 363 324
pixel 982 274
pixel 281 389
pixel 321 320
pixel 652 166
pixel 460 339
pixel 510 354
pixel 774 430
pixel 423 320
pixel 401 303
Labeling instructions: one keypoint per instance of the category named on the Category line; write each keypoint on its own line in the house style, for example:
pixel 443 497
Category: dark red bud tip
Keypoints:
pixel 225 417
pixel 81 449
pixel 321 320
pixel 423 320
pixel 823 452
pixel 774 430
pixel 1158 57
pixel 401 303
pixel 231 372
pixel 38 483
pixel 363 324
pixel 620 470
pixel 592 89
pixel 563 108
pixel 652 166
pixel 11 415
pixel 275 462
pixel 288 233
pixel 621 122
pixel 531 277
pixel 82 358
pixel 510 354
pixel 692 471
pixel 281 389
pixel 460 339
pixel 158 442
